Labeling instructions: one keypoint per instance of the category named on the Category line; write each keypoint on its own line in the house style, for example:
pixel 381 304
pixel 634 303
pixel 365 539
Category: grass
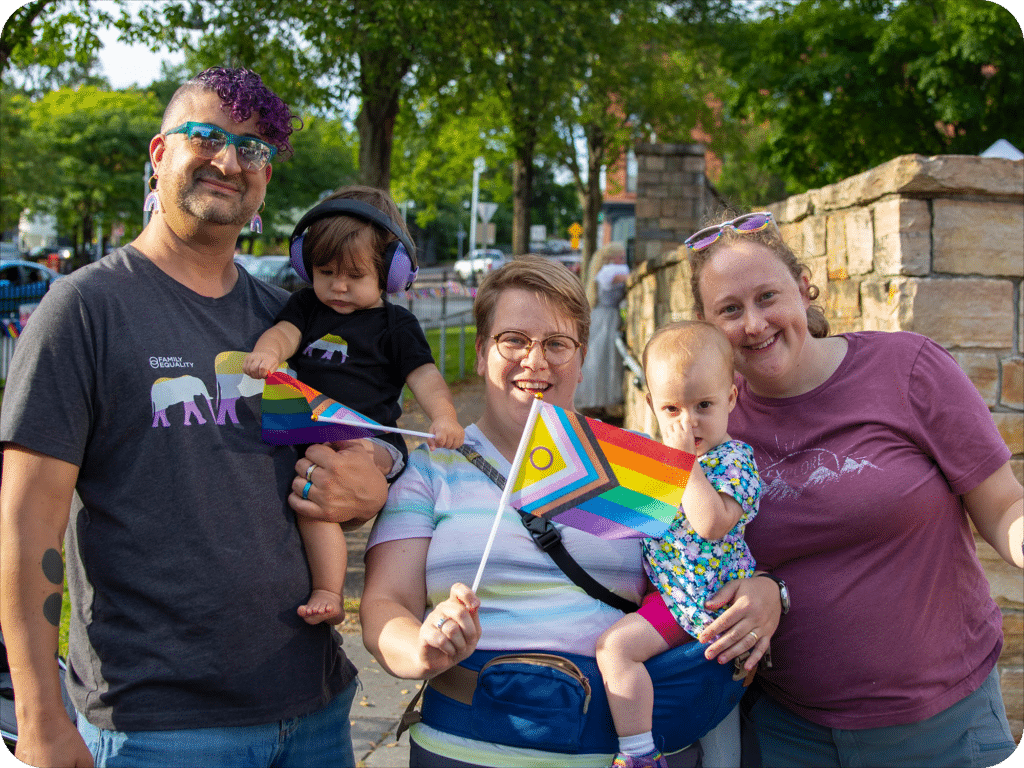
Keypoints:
pixel 454 337
pixel 65 622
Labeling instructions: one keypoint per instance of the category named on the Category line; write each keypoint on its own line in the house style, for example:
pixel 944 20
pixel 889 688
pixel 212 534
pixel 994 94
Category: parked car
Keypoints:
pixel 552 247
pixel 276 270
pixel 246 261
pixel 479 262
pixel 572 261
pixel 22 282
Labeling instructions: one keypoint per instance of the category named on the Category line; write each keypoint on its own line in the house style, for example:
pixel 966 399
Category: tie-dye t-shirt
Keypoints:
pixel 688 569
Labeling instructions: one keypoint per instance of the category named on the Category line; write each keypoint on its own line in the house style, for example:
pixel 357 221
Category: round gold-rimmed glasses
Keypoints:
pixel 557 349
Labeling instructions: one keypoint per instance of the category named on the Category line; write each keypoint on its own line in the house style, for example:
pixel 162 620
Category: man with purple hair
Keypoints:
pixel 184 563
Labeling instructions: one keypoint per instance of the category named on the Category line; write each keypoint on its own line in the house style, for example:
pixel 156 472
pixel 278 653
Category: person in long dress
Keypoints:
pixel 602 370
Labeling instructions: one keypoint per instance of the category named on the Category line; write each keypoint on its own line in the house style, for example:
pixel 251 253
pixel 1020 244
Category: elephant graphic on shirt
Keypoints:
pixel 328 344
pixel 232 384
pixel 181 389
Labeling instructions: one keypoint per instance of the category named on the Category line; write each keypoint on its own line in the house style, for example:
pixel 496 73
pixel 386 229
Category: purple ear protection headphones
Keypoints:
pixel 399 257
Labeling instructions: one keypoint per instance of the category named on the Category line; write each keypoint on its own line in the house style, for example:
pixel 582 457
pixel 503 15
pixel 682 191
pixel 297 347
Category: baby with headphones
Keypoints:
pixel 343 338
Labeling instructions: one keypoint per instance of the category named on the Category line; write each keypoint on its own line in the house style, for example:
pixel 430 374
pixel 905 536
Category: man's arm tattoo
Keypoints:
pixel 53 570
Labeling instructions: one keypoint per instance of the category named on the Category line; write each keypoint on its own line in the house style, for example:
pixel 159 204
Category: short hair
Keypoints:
pixel 547 279
pixel 341 237
pixel 241 93
pixel 686 339
pixel 770 238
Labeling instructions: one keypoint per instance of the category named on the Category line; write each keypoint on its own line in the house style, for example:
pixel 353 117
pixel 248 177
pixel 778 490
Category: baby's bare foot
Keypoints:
pixel 322 606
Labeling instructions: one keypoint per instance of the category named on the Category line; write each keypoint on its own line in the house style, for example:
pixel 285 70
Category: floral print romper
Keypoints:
pixel 688 569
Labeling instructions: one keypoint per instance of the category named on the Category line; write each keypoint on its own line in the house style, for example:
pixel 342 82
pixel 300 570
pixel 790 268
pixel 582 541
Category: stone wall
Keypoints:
pixel 933 245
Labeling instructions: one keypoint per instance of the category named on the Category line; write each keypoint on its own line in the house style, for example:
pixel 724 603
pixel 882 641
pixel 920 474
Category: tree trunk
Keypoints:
pixel 376 126
pixel 380 80
pixel 591 201
pixel 522 190
pixel 87 247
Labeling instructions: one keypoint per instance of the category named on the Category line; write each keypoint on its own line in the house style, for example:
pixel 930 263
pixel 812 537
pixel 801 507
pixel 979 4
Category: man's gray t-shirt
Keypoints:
pixel 184 561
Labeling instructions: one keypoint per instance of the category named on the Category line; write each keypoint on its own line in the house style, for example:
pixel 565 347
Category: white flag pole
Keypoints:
pixel 517 462
pixel 372 427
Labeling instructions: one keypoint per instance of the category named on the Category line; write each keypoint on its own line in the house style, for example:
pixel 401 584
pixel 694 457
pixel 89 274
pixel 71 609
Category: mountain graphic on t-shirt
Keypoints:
pixel 828 468
pixel 777 489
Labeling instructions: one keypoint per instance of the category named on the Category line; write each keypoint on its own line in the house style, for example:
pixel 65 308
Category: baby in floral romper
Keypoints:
pixel 689 372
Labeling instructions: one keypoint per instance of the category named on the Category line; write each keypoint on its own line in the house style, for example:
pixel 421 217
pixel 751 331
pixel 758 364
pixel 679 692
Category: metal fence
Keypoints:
pixel 14 297
pixel 6 352
pixel 444 306
pixel 16 303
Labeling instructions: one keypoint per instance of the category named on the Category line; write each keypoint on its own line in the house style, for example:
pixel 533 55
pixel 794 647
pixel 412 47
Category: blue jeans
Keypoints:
pixel 321 738
pixel 971 733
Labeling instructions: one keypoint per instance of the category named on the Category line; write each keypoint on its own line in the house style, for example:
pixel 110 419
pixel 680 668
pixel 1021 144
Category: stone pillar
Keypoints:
pixel 672 195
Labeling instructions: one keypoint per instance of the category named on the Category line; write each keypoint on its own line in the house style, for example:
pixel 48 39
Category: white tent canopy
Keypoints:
pixel 1005 149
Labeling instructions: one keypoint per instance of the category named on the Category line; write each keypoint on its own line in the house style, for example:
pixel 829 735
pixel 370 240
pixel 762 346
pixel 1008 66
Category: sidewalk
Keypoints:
pixel 382 699
pixel 380 702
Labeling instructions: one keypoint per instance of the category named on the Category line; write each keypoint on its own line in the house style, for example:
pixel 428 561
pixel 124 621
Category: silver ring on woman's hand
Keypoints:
pixel 752 632
pixel 440 622
pixel 309 473
pixel 305 489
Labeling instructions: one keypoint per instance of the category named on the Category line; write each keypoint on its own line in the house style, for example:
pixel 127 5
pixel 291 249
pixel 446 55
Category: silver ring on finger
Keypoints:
pixel 440 622
pixel 309 473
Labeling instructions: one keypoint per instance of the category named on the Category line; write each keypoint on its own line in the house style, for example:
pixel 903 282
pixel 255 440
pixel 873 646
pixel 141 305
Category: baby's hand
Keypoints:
pixel 677 434
pixel 259 365
pixel 447 434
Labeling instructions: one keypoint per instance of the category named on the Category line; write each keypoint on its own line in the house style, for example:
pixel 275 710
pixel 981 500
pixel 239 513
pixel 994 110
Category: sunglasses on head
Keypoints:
pixel 748 222
pixel 208 141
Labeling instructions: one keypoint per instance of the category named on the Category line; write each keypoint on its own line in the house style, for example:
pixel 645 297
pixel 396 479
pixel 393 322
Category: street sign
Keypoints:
pixel 575 230
pixel 486 210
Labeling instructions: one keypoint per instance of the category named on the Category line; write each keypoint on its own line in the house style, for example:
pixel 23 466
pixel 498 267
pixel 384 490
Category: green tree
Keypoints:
pixel 52 44
pixel 646 75
pixel 435 151
pixel 376 52
pixel 92 148
pixel 324 159
pixel 529 54
pixel 435 148
pixel 554 204
pixel 843 85
pixel 16 158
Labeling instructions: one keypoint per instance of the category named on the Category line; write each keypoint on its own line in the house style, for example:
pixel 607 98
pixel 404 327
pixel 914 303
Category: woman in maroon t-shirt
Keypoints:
pixel 876 453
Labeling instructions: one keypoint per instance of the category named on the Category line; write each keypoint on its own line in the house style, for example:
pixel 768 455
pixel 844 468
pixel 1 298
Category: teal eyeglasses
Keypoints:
pixel 208 141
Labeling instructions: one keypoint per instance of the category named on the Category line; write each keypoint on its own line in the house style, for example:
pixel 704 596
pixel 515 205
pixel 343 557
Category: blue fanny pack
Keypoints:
pixel 556 702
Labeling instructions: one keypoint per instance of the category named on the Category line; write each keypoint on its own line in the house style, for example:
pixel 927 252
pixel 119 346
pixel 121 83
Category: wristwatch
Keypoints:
pixel 783 590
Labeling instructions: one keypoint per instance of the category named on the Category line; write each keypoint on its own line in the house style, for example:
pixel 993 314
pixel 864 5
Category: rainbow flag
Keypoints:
pixel 293 413
pixel 12 328
pixel 290 413
pixel 598 478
